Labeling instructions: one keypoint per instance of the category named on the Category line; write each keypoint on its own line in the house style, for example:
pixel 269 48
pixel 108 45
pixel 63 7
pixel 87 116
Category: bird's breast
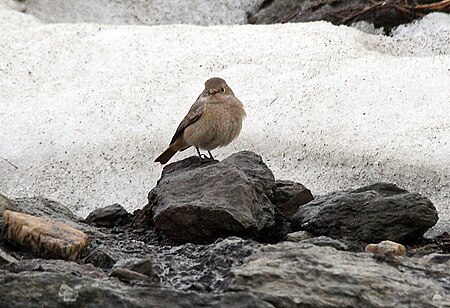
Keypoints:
pixel 219 124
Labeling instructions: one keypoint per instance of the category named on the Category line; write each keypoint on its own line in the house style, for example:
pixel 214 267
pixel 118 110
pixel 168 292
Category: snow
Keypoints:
pixel 86 108
pixel 139 12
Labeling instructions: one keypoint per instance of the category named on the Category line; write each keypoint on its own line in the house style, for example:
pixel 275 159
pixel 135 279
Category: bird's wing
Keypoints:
pixel 193 115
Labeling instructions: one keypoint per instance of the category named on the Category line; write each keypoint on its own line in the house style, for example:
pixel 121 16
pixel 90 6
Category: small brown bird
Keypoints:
pixel 214 120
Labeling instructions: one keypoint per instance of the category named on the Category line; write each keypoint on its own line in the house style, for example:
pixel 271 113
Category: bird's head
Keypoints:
pixel 217 87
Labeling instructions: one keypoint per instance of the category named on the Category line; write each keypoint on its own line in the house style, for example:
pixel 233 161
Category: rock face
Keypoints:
pixel 200 203
pixel 44 237
pixel 304 275
pixel 386 15
pixel 368 215
pixel 49 283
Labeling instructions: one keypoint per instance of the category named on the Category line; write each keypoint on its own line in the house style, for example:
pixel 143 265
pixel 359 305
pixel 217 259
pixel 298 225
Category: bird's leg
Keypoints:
pixel 202 156
pixel 210 155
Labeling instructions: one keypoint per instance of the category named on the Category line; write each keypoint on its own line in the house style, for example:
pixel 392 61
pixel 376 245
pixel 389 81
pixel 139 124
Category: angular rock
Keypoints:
pixel 142 266
pixel 44 237
pixel 101 257
pixel 387 248
pixel 202 202
pixel 126 275
pixel 304 275
pixel 109 216
pixel 6 258
pixel 288 196
pixel 369 214
pixel 56 283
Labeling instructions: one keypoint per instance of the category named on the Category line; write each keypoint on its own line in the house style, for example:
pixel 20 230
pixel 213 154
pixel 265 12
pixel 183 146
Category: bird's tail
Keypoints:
pixel 166 155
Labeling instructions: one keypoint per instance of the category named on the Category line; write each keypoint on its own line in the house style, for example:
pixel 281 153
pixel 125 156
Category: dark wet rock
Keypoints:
pixel 305 275
pixel 288 196
pixel 368 215
pixel 202 202
pixel 109 216
pixel 102 258
pixel 142 266
pixel 383 14
pixel 50 283
pixel 128 276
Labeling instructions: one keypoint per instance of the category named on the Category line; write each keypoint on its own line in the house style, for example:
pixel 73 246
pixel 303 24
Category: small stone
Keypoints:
pixel 44 237
pixel 109 216
pixel 67 294
pixel 288 196
pixel 387 248
pixel 6 258
pixel 126 275
pixel 298 236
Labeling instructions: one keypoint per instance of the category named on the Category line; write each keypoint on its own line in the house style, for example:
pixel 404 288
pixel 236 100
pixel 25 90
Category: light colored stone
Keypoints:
pixel 44 237
pixel 298 236
pixel 386 248
pixel 6 258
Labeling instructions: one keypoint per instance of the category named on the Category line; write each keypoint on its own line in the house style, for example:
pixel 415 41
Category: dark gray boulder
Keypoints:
pixel 369 214
pixel 109 216
pixel 200 202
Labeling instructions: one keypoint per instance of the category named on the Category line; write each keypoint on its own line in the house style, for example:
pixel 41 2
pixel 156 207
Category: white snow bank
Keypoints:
pixel 139 12
pixel 85 108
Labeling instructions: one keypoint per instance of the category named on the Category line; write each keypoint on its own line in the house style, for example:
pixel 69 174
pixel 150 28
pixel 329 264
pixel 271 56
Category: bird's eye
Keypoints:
pixel 222 90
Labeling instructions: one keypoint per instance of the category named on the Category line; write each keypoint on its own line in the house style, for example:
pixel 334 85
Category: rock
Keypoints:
pixel 202 202
pixel 101 258
pixel 44 237
pixel 369 214
pixel 128 276
pixel 46 208
pixel 298 236
pixel 6 258
pixel 387 248
pixel 304 275
pixel 142 266
pixel 288 196
pixel 50 283
pixel 383 15
pixel 109 216
pixel 326 241
pixel 6 204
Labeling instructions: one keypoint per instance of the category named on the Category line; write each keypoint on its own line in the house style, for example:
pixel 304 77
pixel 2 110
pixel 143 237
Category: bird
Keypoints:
pixel 214 120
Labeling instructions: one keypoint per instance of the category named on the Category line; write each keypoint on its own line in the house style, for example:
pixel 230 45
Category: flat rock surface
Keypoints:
pixel 86 108
pixel 285 275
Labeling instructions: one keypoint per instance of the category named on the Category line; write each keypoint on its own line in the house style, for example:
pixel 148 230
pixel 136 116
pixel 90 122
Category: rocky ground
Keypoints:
pixel 228 234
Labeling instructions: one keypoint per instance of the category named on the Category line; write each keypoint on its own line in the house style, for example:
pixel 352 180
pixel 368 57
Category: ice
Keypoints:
pixel 86 108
